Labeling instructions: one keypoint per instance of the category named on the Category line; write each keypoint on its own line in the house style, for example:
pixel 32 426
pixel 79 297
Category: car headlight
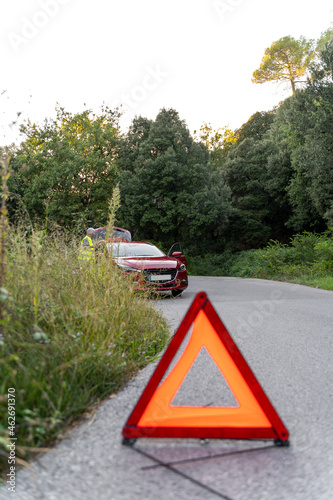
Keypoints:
pixel 128 269
pixel 182 267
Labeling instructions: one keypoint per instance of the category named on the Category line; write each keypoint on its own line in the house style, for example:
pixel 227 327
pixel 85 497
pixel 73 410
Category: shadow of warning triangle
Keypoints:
pixel 171 407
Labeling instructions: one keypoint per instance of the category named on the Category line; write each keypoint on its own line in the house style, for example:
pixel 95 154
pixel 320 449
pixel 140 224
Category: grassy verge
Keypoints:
pixel 70 337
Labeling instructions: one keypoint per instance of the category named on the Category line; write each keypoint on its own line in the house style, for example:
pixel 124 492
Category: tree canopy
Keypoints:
pixel 65 169
pixel 286 60
pixel 168 191
pixel 310 130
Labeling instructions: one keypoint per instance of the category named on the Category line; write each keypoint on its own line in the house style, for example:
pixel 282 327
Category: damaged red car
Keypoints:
pixel 149 267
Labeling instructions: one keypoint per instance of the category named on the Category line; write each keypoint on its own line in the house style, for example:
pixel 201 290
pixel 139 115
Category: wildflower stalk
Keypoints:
pixel 114 204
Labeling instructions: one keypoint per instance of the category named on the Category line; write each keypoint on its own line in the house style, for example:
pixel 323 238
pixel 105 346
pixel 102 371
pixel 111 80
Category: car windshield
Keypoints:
pixel 134 250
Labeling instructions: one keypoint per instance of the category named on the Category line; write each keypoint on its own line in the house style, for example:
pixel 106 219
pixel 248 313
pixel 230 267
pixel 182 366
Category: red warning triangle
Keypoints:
pixel 154 415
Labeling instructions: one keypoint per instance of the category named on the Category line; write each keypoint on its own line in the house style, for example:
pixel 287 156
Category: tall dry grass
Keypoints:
pixel 73 334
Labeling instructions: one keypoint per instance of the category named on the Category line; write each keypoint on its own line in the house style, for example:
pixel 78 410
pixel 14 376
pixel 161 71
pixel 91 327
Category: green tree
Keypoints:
pixel 169 192
pixel 246 175
pixel 257 171
pixel 304 122
pixel 286 60
pixel 322 70
pixel 256 127
pixel 66 168
pixel 324 41
pixel 219 143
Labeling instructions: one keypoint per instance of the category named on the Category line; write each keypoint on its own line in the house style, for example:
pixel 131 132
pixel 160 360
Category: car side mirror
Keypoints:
pixel 176 254
pixel 179 252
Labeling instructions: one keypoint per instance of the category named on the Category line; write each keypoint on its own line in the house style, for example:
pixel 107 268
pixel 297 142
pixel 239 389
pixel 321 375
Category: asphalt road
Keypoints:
pixel 285 333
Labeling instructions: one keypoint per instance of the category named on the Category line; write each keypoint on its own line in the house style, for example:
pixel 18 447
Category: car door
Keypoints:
pixel 176 251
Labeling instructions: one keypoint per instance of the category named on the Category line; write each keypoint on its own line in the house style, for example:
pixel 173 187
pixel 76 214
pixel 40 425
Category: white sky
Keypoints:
pixel 196 56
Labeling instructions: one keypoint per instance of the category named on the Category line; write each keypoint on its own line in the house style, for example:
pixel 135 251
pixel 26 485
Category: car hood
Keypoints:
pixel 148 262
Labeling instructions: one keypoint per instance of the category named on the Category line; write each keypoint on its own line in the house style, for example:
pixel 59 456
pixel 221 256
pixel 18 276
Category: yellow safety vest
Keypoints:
pixel 86 249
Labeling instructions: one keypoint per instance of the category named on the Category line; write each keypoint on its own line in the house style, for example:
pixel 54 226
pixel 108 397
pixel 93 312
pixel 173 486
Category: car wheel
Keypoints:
pixel 176 293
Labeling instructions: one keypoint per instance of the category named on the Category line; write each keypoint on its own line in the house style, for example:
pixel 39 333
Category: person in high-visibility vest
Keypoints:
pixel 87 246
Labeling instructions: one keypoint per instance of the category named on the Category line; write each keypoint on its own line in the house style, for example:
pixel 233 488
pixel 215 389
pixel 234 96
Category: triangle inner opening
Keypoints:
pixel 204 385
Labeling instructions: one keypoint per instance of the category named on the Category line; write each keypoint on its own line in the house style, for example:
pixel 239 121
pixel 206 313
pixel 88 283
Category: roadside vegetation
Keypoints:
pixel 70 337
pixel 307 260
